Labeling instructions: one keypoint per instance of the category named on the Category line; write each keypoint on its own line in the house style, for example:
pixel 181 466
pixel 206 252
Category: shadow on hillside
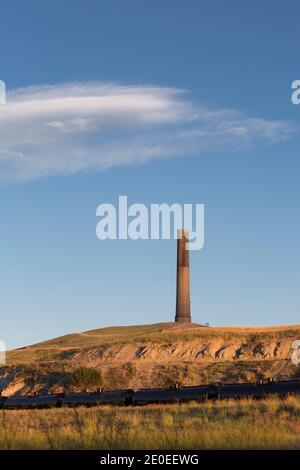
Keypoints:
pixel 296 374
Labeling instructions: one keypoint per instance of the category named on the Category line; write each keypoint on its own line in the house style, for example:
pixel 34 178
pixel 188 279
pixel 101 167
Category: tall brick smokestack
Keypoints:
pixel 183 311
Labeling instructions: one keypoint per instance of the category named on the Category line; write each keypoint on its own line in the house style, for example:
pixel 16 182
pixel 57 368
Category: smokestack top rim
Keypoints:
pixel 182 232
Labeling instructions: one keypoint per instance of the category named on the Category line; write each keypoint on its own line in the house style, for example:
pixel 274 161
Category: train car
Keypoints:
pixel 281 388
pixel 259 389
pixel 84 398
pixel 199 393
pixel 34 401
pixel 154 395
pixel 239 390
pixel 118 397
pixel 174 394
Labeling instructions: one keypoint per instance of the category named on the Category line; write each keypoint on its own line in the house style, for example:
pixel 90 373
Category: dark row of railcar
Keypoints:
pixel 174 394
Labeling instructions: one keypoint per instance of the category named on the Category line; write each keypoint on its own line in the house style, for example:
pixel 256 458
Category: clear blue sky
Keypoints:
pixel 55 276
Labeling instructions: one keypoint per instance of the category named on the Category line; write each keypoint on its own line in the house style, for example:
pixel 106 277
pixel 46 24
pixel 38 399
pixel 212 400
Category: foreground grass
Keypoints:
pixel 268 424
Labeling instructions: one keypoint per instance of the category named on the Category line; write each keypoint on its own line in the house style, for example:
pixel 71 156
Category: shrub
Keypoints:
pixel 86 377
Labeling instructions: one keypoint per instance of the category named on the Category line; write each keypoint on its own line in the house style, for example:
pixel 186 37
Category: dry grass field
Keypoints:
pixel 267 424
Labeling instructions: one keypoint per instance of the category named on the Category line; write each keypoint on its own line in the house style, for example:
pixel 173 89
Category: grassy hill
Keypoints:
pixel 153 355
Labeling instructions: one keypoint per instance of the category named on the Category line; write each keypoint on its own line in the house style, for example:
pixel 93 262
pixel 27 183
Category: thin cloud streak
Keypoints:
pixel 65 129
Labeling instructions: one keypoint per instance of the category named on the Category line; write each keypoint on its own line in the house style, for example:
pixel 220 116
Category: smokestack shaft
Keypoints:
pixel 183 313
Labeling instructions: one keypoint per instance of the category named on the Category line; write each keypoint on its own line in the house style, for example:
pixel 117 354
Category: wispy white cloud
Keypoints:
pixel 65 129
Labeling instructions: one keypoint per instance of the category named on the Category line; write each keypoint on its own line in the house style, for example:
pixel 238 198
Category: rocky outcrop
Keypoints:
pixel 195 351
